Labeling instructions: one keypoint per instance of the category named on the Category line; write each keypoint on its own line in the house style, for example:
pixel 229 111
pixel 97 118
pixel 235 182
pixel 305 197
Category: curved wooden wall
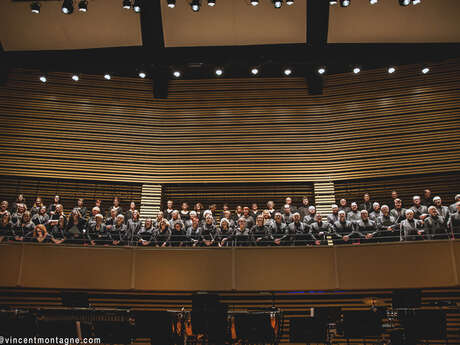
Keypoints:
pixel 232 130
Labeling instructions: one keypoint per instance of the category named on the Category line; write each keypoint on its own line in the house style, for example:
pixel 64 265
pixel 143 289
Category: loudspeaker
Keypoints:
pixel 406 298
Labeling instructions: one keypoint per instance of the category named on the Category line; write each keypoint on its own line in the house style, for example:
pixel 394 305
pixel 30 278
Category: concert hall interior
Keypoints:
pixel 230 172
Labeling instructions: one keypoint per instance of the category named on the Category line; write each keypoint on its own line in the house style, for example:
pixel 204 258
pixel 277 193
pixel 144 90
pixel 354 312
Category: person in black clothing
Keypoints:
pixel 367 204
pixel 225 233
pixel 175 217
pixel 238 213
pixel 225 208
pixel 319 229
pixel 344 206
pixel 365 226
pixel 178 236
pixel 427 198
pixel 303 210
pixel 254 213
pixel 4 208
pixel 388 229
pixel 228 215
pixel 435 225
pixel 260 233
pixel 443 211
pixel 453 207
pixel 41 217
pixel 279 231
pixel 249 220
pixel 52 206
pixel 184 212
pixel 208 232
pixel 271 208
pixel 162 236
pixel 213 209
pixel 75 227
pixel 132 229
pixel 109 222
pixel 411 228
pixel 298 232
pixel 344 229
pixel 199 209
pixel 36 206
pixel 24 227
pixel 6 227
pixel 80 207
pixel 242 234
pixel 95 211
pixel 40 235
pixel 194 232
pixel 334 216
pixel 288 201
pixel 267 218
pixel 118 230
pixel 398 213
pixel 17 215
pixel 287 214
pixel 454 221
pixel 420 211
pixel 58 231
pixel 129 213
pixel 158 219
pixel 116 206
pixel 354 215
pixel 19 200
pixel 97 233
pixel 146 233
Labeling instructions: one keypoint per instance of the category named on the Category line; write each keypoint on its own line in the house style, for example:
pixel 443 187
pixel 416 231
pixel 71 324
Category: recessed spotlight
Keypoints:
pixel 289 2
pixel 177 74
pixel 107 76
pixel 277 3
pixel 83 6
pixel 373 2
pixel 391 70
pixel 356 70
pixel 254 2
pixel 255 71
pixel 142 74
pixel 212 3
pixel 425 70
pixel 137 6
pixel 126 4
pixel 404 2
pixel 287 71
pixel 195 5
pixel 35 7
pixel 43 79
pixel 171 3
pixel 333 2
pixel 416 2
pixel 67 7
pixel 219 72
pixel 345 3
pixel 321 70
pixel 75 77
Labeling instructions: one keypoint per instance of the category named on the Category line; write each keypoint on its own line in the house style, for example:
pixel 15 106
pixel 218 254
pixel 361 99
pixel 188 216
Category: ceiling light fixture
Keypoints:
pixel 43 79
pixel 416 2
pixel 75 77
pixel 333 2
pixel 254 2
pixel 83 6
pixel 67 7
pixel 127 4
pixel 373 2
pixel 212 3
pixel 177 74
pixel 391 70
pixel 345 3
pixel 219 72
pixel 287 71
pixel 171 3
pixel 107 76
pixel 277 3
pixel 289 2
pixel 356 70
pixel 142 74
pixel 137 6
pixel 404 2
pixel 425 70
pixel 321 70
pixel 35 7
pixel 255 71
pixel 195 5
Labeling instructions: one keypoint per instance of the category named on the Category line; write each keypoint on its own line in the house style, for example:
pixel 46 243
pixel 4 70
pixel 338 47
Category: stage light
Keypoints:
pixel 254 2
pixel 287 71
pixel 107 76
pixel 212 3
pixel 75 77
pixel 425 70
pixel 219 72
pixel 83 6
pixel 373 2
pixel 391 70
pixel 356 70
pixel 404 2
pixel 195 5
pixel 171 3
pixel 289 2
pixel 142 74
pixel 177 74
pixel 126 4
pixel 333 2
pixel 345 3
pixel 43 79
pixel 416 2
pixel 321 70
pixel 35 7
pixel 255 71
pixel 67 7
pixel 277 3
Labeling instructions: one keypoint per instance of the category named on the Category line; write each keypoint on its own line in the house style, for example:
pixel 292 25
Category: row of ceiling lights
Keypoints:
pixel 196 4
pixel 255 71
pixel 346 3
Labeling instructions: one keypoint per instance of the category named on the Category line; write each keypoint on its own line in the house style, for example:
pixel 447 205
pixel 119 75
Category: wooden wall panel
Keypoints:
pixel 232 130
pixel 444 185
pixel 69 191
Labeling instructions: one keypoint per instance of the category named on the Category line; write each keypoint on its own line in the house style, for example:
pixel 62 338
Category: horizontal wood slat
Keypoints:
pixel 369 125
